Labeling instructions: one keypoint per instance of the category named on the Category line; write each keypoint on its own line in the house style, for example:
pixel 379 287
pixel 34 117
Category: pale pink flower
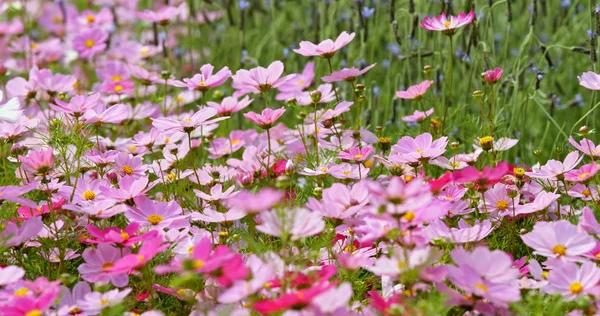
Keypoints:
pixel 586 146
pixel 416 91
pixel 346 74
pixel 295 223
pixel 259 79
pixel 559 239
pixel 205 80
pixel 90 42
pixel 590 80
pixel 417 116
pixel 326 48
pixel 448 26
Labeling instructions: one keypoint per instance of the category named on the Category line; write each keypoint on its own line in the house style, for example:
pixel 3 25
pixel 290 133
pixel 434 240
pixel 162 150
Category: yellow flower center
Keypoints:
pixel 202 83
pixel 103 301
pixel 22 291
pixel 481 286
pixel 89 195
pixel 89 43
pixel 75 311
pixel 197 264
pixel 190 249
pixel 181 292
pixel 235 141
pixel 179 99
pixel 419 150
pixel 545 274
pixel 401 264
pixel 519 172
pixel 323 169
pixel 559 250
pixel 155 219
pixel 576 287
pixel 408 178
pixel 57 19
pixel 368 163
pixel 223 234
pixel 127 169
pixel 144 51
pixel 124 235
pixel 583 175
pixel 90 18
pixel 598 255
pixel 346 172
pixel 107 265
pixel 300 82
pixel 188 120
pixel 409 216
pixel 116 78
pixel 118 88
pixel 502 205
pixel 350 248
pixel 454 164
pixel 34 312
pixel 447 23
pixel 171 176
pixel 586 193
pixel 141 258
pixel 357 156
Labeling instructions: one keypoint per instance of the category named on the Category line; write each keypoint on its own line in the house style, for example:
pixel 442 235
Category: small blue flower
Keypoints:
pixel 385 63
pixel 565 4
pixel 376 91
pixel 367 12
pixel 244 5
pixel 286 52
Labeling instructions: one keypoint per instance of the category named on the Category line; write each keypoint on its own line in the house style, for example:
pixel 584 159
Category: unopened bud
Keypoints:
pixel 537 152
pixel 454 145
pixel 290 168
pixel 584 130
pixel 291 101
pixel 360 87
pixel 427 69
pixel 164 75
pixel 523 231
pixel 316 96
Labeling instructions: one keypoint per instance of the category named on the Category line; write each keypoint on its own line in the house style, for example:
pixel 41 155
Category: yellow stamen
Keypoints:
pixel 409 216
pixel 559 250
pixel 127 170
pixel 502 205
pixel 89 195
pixel 155 219
pixel 481 286
pixel 576 287
pixel 22 291
pixel 90 18
pixel 89 43
pixel 107 265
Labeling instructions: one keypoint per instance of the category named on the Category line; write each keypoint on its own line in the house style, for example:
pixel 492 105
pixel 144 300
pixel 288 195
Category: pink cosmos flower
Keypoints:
pixel 118 87
pixel 460 235
pixel 129 165
pixel 29 304
pixel 416 91
pixel 77 105
pixel 99 260
pixel 162 16
pixel 150 248
pixel 542 201
pixel 589 80
pixel 573 281
pixel 94 302
pixel 261 274
pixel 339 201
pixel 188 123
pixel 497 200
pixel 297 83
pixel 259 79
pixel 295 223
pixel 326 48
pixel 157 215
pixel 448 26
pixel 90 42
pixel 420 148
pixel 216 193
pixel 258 202
pixel 402 261
pixel 588 221
pixel 13 194
pixel 129 188
pixel 230 105
pixel 101 114
pixel 348 171
pixel 298 298
pixel 127 236
pixel 492 76
pixel 68 298
pixel 483 178
pixel 583 174
pixel 586 146
pixel 554 168
pixel 323 94
pixel 205 80
pixel 356 154
pixel 56 83
pixel 10 111
pixel 38 162
pixel 346 74
pixel 559 239
pixel 400 197
pixel 418 116
pixel 10 274
pixel 501 144
pixel 267 118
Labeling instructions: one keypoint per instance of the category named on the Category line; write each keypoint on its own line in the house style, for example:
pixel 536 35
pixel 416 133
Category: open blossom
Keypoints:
pixel 94 302
pixel 356 154
pixel 258 202
pixel 460 235
pixel 583 174
pixel 38 162
pixel 559 239
pixel 572 281
pixel 99 260
pixel 445 24
pixel 260 79
pixel 205 80
pixel 590 80
pixel 297 83
pixel 89 43
pixel 267 118
pixel 417 116
pixel 346 74
pixel 230 105
pixel 586 146
pixel 10 111
pixel 554 168
pixel 492 76
pixel 295 223
pixel 416 91
pixel 157 215
pixel 163 16
pixel 326 48
pixel 189 122
pixel 420 148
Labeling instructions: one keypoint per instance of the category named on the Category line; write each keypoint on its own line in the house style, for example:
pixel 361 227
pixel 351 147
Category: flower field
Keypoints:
pixel 278 157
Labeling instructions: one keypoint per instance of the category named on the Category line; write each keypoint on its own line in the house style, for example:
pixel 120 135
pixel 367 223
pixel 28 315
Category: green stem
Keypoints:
pixel 450 81
pixel 337 98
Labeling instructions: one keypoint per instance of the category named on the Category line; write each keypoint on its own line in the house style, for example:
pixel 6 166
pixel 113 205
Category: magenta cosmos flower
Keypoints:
pixel 346 74
pixel 90 42
pixel 416 91
pixel 99 260
pixel 448 26
pixel 583 174
pixel 559 239
pixel 326 48
pixel 590 80
pixel 356 154
pixel 157 215
pixel 38 162
pixel 205 80
pixel 260 79
pixel 492 76
pixel 573 281
pixel 267 118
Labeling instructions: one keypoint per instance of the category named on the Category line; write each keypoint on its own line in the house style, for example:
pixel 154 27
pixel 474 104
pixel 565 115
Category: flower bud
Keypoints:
pixel 291 101
pixel 486 143
pixel 427 69
pixel 454 145
pixel 316 96
pixel 164 75
pixel 290 168
pixel 584 130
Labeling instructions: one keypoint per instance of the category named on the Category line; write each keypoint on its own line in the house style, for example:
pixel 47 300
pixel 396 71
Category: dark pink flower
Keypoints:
pixel 90 42
pixel 492 76
pixel 267 118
